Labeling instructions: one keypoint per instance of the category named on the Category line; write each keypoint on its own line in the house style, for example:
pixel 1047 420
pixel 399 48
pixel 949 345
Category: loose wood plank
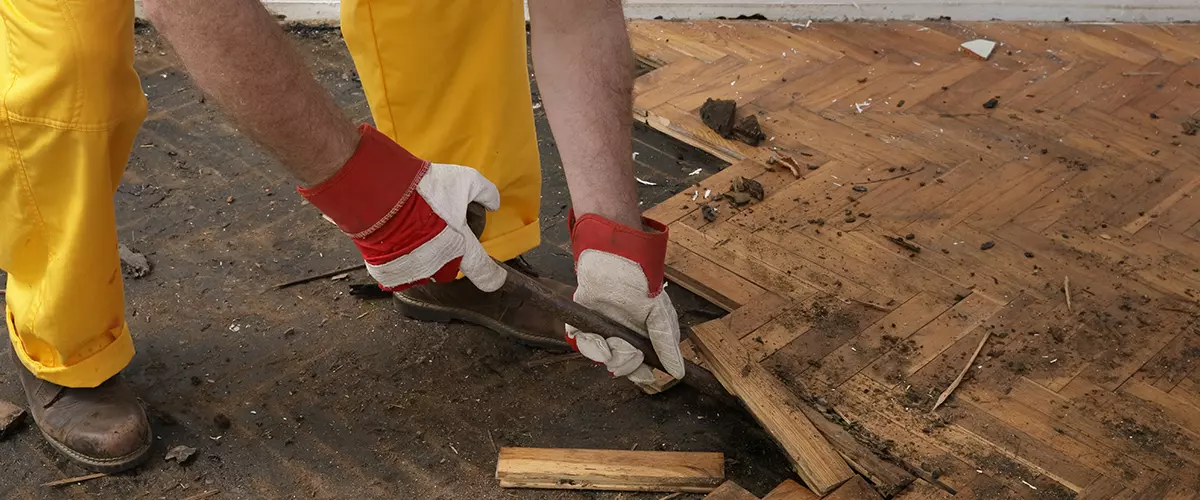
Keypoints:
pixel 617 470
pixel 774 406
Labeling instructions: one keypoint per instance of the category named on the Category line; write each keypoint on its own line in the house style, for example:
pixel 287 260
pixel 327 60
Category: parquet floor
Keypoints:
pixel 1082 172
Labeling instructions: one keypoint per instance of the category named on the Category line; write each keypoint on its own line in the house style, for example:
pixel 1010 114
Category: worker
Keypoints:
pixel 447 85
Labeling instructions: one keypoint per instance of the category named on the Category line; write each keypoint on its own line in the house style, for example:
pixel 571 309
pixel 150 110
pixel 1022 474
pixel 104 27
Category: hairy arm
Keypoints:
pixel 238 54
pixel 584 68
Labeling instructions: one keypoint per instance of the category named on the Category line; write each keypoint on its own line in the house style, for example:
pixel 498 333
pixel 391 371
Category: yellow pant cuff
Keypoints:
pixel 90 372
pixel 512 244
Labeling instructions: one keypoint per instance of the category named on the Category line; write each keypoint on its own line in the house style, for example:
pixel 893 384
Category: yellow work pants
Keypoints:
pixel 448 80
pixel 445 79
pixel 71 107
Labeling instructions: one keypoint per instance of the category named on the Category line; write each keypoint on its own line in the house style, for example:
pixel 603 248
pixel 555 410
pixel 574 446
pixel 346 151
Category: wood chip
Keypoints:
pixel 203 495
pixel 958 380
pixel 74 480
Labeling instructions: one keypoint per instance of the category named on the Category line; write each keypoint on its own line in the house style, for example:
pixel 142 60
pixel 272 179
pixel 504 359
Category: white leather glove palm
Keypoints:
pixel 620 273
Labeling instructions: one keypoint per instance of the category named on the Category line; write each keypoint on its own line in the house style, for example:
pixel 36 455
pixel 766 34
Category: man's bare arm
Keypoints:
pixel 584 67
pixel 237 53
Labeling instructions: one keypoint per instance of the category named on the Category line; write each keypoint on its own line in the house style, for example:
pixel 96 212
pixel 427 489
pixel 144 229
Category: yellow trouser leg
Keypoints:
pixel 447 80
pixel 72 104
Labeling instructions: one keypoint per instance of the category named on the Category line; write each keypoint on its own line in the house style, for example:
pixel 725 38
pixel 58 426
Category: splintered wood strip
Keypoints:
pixel 958 380
pixel 616 470
pixel 774 407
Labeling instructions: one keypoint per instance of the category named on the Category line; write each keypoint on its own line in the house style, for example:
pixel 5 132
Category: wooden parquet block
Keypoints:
pixel 1081 170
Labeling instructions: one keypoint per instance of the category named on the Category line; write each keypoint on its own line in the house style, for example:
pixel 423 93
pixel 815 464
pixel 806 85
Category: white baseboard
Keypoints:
pixel 798 10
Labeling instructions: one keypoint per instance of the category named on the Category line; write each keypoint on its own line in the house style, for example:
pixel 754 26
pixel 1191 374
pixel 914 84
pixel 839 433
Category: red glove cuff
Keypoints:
pixel 648 249
pixel 371 187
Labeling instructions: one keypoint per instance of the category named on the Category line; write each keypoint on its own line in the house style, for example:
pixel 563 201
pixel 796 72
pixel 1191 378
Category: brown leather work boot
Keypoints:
pixel 104 429
pixel 499 311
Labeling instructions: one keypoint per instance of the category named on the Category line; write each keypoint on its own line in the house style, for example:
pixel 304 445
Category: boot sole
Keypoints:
pixel 425 311
pixel 105 465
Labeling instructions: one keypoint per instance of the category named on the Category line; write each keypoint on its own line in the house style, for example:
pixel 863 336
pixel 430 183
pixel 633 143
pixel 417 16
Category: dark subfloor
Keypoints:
pixel 331 396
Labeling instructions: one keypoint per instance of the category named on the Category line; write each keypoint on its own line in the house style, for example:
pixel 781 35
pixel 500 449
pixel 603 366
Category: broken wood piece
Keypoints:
pixel 730 490
pixel 774 406
pixel 11 417
pixel 788 162
pixel 613 470
pixel 315 277
pixel 662 382
pixel 1067 291
pixel 958 380
pixel 790 490
pixel 888 478
pixel 980 48
pixel 74 480
pixel 854 489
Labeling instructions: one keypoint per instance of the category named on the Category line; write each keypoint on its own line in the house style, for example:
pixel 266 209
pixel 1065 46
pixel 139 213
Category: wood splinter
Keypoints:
pixel 1067 291
pixel 958 380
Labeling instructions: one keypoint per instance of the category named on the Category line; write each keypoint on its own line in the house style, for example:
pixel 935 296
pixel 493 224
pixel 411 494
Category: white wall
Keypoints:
pixel 1016 10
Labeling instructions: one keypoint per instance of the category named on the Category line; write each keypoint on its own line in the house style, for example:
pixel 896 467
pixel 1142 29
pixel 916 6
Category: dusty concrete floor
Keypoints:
pixel 331 396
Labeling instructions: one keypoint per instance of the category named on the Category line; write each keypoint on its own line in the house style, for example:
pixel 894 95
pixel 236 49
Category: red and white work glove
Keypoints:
pixel 408 216
pixel 620 272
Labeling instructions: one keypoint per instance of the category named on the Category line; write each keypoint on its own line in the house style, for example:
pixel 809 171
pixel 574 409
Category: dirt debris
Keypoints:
pixel 1191 126
pixel 717 114
pixel 180 454
pixel 133 264
pixel 903 242
pixel 748 131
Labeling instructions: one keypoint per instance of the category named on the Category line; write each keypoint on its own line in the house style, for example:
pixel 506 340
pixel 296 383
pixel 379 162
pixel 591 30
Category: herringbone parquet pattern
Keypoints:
pixel 1080 181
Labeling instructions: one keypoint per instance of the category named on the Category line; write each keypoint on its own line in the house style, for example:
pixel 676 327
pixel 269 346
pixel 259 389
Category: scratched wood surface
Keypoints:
pixel 1081 175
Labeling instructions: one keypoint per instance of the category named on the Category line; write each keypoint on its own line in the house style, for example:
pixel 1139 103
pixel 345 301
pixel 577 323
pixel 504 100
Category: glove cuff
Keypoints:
pixel 647 249
pixel 370 189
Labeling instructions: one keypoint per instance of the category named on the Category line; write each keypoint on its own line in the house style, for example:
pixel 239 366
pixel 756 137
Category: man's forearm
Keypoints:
pixel 584 69
pixel 237 53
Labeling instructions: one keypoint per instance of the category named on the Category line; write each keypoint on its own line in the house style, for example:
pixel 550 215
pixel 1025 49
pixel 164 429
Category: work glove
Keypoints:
pixel 620 273
pixel 408 216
